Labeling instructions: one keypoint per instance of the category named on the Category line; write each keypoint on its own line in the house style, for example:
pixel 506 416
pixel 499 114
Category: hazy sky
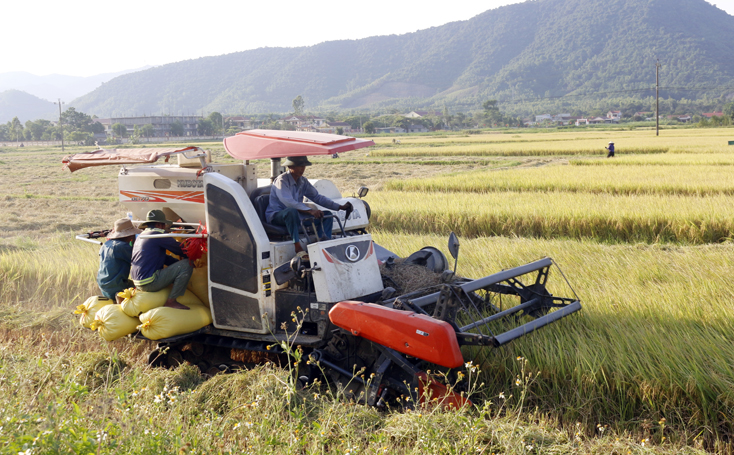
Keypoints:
pixel 84 37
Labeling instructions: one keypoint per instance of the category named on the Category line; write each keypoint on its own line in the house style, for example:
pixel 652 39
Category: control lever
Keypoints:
pixel 348 211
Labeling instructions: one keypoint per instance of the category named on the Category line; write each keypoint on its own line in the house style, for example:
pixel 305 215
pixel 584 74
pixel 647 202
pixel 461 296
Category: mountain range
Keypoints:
pixel 541 49
pixel 29 97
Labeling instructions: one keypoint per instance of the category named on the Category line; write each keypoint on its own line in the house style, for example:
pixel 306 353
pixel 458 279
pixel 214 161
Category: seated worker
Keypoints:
pixel 149 257
pixel 286 207
pixel 115 258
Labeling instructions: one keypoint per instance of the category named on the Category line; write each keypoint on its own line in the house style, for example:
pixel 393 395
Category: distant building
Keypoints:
pixel 712 114
pixel 161 124
pixel 305 122
pixel 555 118
pixel 240 122
pixel 416 129
pixel 614 115
pixel 420 114
pixel 680 118
pixel 331 127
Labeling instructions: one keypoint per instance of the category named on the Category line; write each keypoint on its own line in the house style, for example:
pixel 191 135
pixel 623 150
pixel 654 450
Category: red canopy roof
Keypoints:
pixel 104 157
pixel 259 144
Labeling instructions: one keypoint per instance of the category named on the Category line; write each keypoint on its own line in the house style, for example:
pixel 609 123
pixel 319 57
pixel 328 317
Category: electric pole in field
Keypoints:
pixel 61 124
pixel 657 98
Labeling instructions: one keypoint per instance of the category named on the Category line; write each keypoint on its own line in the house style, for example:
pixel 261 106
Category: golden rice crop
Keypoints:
pixel 560 148
pixel 667 159
pixel 561 143
pixel 671 137
pixel 630 179
pixel 43 276
pixel 652 340
pixel 601 217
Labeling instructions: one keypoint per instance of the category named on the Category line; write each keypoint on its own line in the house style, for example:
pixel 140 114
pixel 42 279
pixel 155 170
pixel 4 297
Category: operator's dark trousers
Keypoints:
pixel 291 219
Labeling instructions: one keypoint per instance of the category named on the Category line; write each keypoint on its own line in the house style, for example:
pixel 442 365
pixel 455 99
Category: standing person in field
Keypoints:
pixel 149 257
pixel 611 150
pixel 115 258
pixel 286 207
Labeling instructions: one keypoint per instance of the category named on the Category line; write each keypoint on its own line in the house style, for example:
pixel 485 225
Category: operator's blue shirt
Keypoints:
pixel 149 256
pixel 287 193
pixel 114 267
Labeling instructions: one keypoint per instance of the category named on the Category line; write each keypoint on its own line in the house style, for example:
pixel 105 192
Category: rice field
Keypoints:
pixel 668 159
pixel 653 339
pixel 693 180
pixel 601 217
pixel 645 238
pixel 589 143
pixel 645 367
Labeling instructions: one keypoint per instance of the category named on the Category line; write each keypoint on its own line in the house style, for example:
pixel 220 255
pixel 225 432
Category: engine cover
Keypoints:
pixel 413 334
pixel 345 268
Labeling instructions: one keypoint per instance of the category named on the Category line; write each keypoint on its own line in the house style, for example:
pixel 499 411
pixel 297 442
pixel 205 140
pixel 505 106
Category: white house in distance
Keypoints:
pixel 304 122
pixel 240 122
pixel 420 114
pixel 614 115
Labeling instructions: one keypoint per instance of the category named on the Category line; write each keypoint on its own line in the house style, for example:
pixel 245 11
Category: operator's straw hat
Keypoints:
pixel 296 161
pixel 123 228
pixel 611 142
pixel 155 216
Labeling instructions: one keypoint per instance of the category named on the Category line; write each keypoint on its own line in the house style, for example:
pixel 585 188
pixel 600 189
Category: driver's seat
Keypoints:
pixel 260 200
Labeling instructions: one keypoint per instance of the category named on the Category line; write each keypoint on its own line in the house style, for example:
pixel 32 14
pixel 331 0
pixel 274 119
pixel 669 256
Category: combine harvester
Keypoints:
pixel 349 324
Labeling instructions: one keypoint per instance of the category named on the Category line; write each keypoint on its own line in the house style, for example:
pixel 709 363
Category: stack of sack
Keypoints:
pixel 144 311
pixel 199 282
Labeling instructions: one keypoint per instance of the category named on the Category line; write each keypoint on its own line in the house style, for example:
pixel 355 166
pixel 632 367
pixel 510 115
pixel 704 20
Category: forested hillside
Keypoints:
pixel 538 49
pixel 14 103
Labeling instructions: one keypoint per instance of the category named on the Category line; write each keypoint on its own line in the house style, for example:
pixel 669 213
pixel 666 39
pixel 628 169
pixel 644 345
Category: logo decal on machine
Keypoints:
pixel 163 196
pixel 352 253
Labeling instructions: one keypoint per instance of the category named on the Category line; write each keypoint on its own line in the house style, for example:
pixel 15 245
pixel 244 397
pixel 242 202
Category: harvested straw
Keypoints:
pixel 409 277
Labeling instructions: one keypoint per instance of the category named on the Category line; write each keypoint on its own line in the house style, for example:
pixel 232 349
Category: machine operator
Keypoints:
pixel 149 257
pixel 286 207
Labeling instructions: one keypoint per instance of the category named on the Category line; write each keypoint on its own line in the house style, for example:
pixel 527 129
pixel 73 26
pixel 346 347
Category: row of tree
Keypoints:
pixel 78 127
pixel 81 127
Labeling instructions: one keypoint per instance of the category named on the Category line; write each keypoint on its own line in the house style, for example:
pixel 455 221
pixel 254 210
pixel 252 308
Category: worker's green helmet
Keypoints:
pixel 156 216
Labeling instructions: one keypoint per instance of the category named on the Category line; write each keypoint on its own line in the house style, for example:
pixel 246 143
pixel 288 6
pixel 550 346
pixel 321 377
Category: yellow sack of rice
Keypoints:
pixel 90 307
pixel 167 322
pixel 137 301
pixel 112 323
pixel 199 284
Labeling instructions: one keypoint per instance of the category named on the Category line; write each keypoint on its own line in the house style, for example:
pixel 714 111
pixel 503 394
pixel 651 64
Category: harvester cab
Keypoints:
pixel 341 307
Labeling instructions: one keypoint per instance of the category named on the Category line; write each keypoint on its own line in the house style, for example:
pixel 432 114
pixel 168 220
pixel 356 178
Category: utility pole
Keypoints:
pixel 61 124
pixel 657 98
